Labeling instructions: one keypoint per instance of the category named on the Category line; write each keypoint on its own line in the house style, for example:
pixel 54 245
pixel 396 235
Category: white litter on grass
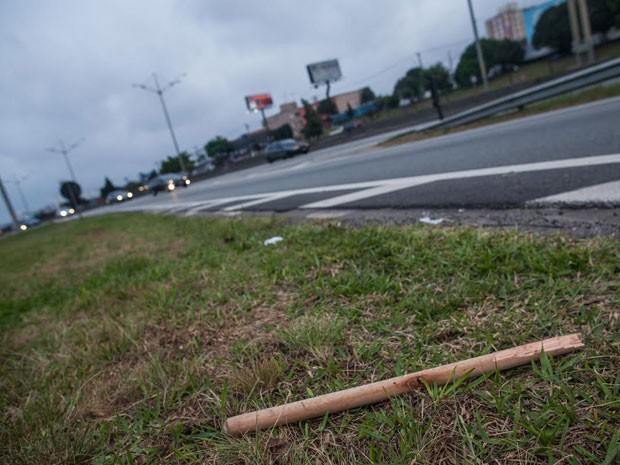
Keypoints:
pixel 273 240
pixel 429 220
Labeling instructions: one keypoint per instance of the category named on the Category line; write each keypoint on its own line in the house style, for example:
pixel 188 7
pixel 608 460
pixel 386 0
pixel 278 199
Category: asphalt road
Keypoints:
pixel 500 166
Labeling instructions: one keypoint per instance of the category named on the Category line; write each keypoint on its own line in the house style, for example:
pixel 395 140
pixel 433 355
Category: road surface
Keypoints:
pixel 568 156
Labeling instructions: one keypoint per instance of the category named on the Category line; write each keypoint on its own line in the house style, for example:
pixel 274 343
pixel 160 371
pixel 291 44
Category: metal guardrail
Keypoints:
pixel 583 78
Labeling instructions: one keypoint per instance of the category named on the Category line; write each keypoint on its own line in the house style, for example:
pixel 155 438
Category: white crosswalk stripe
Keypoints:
pixel 607 193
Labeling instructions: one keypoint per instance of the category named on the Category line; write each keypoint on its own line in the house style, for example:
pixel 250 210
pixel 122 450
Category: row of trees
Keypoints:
pixel 553 27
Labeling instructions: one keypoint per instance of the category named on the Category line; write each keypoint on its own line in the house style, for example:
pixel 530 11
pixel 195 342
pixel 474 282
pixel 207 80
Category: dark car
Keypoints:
pixel 29 222
pixel 168 182
pixel 284 149
pixel 118 196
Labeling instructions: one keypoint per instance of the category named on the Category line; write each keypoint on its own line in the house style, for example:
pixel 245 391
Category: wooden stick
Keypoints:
pixel 382 390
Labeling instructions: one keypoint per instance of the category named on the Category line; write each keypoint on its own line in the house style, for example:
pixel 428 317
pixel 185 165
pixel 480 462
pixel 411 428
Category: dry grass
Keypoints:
pixel 140 357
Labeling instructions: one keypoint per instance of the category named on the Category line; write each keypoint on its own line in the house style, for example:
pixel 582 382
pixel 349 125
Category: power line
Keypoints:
pixel 409 57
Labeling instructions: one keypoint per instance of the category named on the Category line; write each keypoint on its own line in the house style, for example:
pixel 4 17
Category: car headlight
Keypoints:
pixel 119 197
pixel 23 227
pixel 187 182
pixel 63 213
pixel 71 211
pixel 129 195
pixel 171 186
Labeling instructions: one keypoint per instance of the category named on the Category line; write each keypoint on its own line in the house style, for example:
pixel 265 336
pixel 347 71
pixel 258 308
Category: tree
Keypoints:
pixel 614 7
pixel 283 132
pixel 218 149
pixel 440 76
pixel 327 107
pixel 412 85
pixel 496 52
pixel 313 127
pixel 173 165
pixel 107 188
pixel 390 101
pixel 553 27
pixel 367 95
pixel 507 52
pixel 602 15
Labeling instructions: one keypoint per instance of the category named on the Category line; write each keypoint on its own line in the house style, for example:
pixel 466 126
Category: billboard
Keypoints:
pixel 532 15
pixel 258 102
pixel 325 71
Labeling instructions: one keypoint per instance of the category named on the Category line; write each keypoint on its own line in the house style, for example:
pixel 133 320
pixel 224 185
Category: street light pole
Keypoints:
pixel 65 152
pixel 160 93
pixel 483 67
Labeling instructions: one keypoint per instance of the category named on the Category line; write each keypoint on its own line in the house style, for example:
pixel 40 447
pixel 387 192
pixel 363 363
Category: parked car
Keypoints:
pixel 118 196
pixel 168 182
pixel 284 149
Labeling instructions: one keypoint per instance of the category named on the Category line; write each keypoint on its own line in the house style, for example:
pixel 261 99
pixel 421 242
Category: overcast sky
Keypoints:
pixel 67 69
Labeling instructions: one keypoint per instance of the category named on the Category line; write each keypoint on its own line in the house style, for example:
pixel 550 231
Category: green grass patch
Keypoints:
pixel 564 101
pixel 130 338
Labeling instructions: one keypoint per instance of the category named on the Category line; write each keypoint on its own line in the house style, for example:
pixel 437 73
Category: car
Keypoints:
pixel 285 148
pixel 168 182
pixel 28 222
pixel 118 196
pixel 65 212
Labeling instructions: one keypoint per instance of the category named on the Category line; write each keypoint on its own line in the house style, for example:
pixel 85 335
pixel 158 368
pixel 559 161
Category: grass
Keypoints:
pixel 577 98
pixel 130 338
pixel 531 73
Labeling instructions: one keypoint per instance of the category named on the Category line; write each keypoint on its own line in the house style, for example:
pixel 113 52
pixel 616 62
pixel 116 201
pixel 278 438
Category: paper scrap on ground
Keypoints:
pixel 429 220
pixel 273 240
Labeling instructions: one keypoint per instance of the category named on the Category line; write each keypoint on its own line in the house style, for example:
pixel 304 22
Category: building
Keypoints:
pixel 342 101
pixel 507 24
pixel 289 114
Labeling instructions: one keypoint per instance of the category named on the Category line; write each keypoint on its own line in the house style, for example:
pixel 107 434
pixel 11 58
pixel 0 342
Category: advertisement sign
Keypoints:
pixel 258 102
pixel 532 15
pixel 325 71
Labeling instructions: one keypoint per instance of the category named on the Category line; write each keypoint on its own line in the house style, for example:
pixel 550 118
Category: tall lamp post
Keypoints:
pixel 160 93
pixel 62 149
pixel 483 67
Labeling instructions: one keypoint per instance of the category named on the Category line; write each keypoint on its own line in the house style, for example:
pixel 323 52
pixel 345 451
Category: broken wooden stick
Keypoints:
pixel 382 390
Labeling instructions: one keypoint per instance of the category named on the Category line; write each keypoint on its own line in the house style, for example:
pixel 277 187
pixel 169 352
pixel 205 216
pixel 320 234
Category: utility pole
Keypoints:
pixel 9 207
pixel 265 122
pixel 65 153
pixel 160 93
pixel 574 29
pixel 587 29
pixel 483 67
pixel 421 66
